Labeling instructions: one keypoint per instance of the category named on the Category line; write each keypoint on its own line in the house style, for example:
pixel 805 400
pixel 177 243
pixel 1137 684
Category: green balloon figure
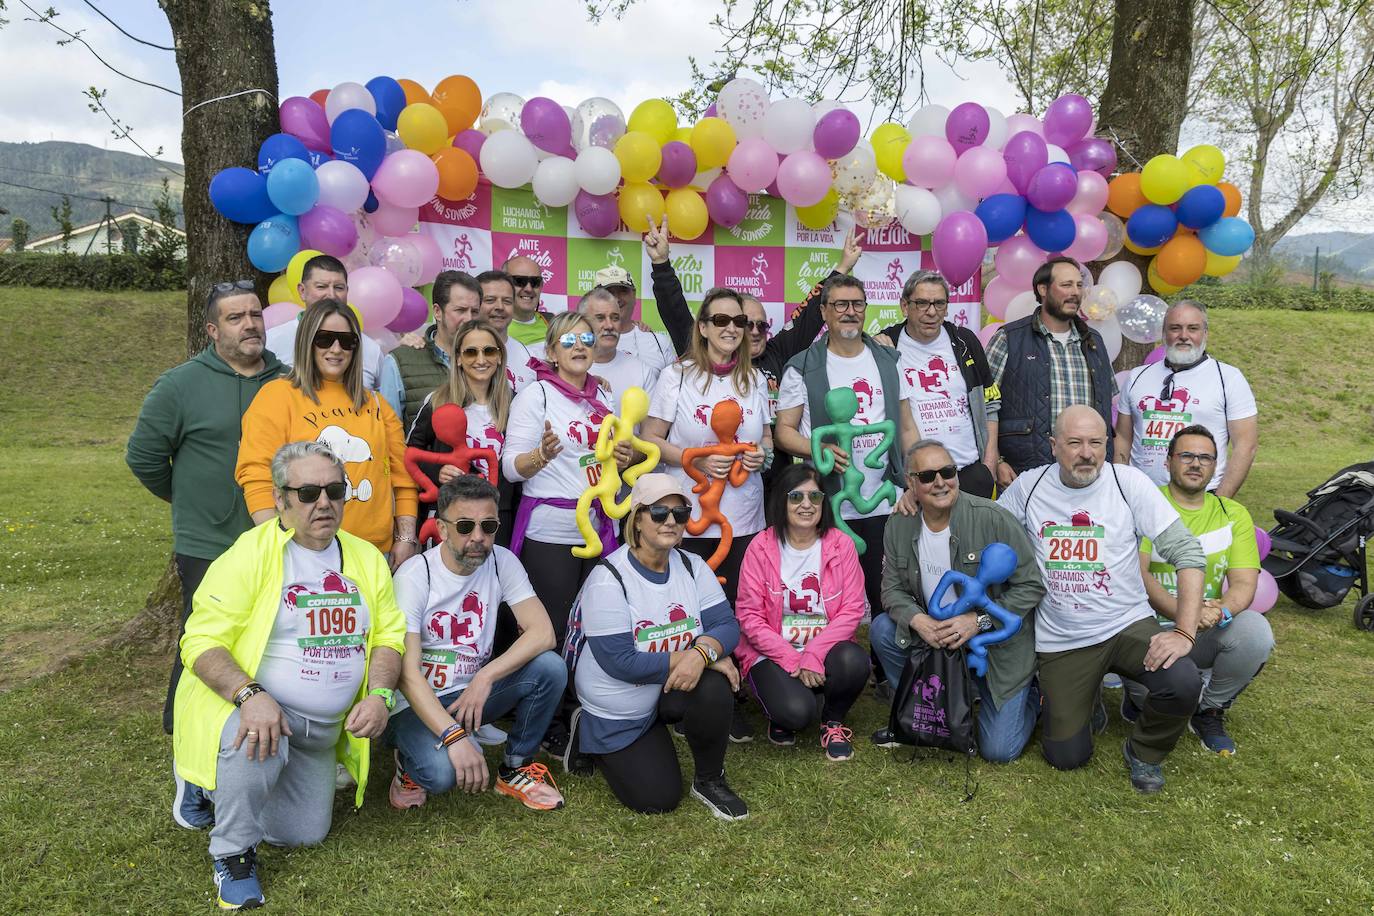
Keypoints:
pixel 842 404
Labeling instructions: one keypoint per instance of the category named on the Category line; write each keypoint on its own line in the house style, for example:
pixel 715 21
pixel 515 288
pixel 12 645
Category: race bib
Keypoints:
pixel 799 629
pixel 445 668
pixel 1162 425
pixel 674 636
pixel 1072 548
pixel 590 467
pixel 332 637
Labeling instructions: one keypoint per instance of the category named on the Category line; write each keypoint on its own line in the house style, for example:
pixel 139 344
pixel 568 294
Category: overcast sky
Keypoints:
pixel 532 47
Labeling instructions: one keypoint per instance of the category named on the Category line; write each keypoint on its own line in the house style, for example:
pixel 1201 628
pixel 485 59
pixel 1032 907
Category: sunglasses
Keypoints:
pixel 722 321
pixel 488 352
pixel 522 282
pixel 948 472
pixel 1166 391
pixel 310 493
pixel 759 326
pixel 659 514
pixel 795 497
pixel 466 526
pixel 326 339
pixel 569 340
pixel 231 285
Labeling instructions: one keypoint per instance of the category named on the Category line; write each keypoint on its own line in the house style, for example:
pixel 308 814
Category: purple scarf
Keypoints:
pixel 604 526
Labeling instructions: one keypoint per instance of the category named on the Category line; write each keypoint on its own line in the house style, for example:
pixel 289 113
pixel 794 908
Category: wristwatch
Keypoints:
pixel 984 623
pixel 388 696
pixel 711 654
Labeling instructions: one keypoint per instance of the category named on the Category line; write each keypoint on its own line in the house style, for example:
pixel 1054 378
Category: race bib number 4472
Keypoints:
pixel 674 636
pixel 1073 547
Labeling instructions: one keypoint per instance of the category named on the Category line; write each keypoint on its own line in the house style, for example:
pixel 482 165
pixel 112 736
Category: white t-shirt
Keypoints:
pixel 625 371
pixel 1086 544
pixel 803 610
pixel 518 371
pixel 661 618
pixel 281 340
pixel 860 373
pixel 654 350
pixel 482 431
pixel 574 468
pixel 938 395
pixel 933 548
pixel 679 400
pixel 1196 398
pixel 456 615
pixel 316 657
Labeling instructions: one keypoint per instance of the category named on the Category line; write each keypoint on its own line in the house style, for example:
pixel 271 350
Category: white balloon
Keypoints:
pixel 597 170
pixel 1021 305
pixel 1142 318
pixel 1123 278
pixel 789 124
pixel 703 179
pixel 1111 335
pixel 928 121
pixel 855 173
pixel 952 200
pixel 508 159
pixel 393 141
pixel 342 185
pixel 917 209
pixel 743 104
pixel 501 112
pixel 587 115
pixel 824 107
pixel 555 181
pixel 345 96
pixel 1057 153
pixel 997 128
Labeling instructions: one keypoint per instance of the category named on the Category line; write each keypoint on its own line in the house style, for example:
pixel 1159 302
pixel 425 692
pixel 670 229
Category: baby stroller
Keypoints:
pixel 1318 553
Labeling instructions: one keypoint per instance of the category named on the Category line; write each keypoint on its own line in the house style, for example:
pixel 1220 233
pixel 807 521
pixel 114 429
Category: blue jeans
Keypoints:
pixel 534 692
pixel 1002 731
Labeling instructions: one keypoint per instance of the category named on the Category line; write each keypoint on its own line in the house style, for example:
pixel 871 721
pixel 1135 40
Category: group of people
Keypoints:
pixel 315 621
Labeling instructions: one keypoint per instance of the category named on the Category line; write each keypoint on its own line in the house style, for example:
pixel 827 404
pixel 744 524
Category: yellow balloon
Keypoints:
pixel 639 202
pixel 294 269
pixel 1205 164
pixel 1158 283
pixel 283 290
pixel 889 145
pixel 656 118
pixel 713 140
pixel 687 216
pixel 356 314
pixel 820 215
pixel 1164 179
pixel 640 156
pixel 683 135
pixel 1220 265
pixel 421 126
pixel 1133 247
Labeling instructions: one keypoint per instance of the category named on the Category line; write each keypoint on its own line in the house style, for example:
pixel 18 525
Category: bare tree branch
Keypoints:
pixel 103 15
pixel 48 16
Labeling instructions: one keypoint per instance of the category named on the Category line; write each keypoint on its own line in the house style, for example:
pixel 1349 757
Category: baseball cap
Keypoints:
pixel 614 276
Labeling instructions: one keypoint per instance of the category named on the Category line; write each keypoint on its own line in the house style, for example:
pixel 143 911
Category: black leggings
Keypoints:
pixel 871 560
pixel 790 704
pixel 645 776
pixel 729 567
pixel 556 576
pixel 190 570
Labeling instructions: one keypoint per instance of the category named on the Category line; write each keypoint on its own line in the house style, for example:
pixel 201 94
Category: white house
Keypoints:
pixel 92 239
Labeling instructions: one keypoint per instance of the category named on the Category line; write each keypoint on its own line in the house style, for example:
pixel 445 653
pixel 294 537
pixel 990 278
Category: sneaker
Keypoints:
pixel 715 793
pixel 555 742
pixel 741 732
pixel 192 808
pixel 405 792
pixel 236 882
pixel 1099 719
pixel 573 760
pixel 532 784
pixel 1148 778
pixel 882 692
pixel 342 778
pixel 1129 711
pixel 678 731
pixel 885 737
pixel 782 737
pixel 837 740
pixel 489 735
pixel 1210 726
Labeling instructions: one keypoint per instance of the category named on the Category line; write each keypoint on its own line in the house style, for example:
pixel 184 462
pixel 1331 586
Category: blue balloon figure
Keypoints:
pixel 996 566
pixel 842 404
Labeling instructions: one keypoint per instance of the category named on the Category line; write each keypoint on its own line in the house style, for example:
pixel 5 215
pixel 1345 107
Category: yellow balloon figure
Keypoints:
pixel 634 407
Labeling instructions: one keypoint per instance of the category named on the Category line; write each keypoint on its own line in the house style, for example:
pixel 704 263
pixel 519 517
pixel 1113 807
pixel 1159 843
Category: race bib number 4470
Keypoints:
pixel 1162 425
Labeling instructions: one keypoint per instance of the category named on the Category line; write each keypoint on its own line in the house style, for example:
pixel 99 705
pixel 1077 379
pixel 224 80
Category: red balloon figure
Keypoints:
pixel 451 428
pixel 725 420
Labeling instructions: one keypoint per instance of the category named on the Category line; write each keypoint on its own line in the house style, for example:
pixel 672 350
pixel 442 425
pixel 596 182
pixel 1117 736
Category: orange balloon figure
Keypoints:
pixel 725 420
pixel 451 428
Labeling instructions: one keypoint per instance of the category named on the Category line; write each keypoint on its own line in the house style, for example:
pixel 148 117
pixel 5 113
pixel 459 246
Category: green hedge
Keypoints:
pixel 1297 298
pixel 92 271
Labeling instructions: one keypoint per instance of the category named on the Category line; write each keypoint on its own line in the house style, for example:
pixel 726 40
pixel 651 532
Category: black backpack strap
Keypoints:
pixel 1120 489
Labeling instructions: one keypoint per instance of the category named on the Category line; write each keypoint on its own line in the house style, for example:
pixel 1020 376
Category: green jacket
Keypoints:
pixel 186 443
pixel 974 523
pixel 234 609
pixel 421 372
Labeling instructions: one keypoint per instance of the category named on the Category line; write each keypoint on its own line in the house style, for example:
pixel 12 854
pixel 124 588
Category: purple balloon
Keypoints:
pixel 959 243
pixel 1156 355
pixel 710 111
pixel 1093 154
pixel 725 202
pixel 679 165
pixel 546 124
pixel 1052 187
pixel 470 141
pixel 414 311
pixel 304 119
pixel 836 133
pixel 1025 154
pixel 597 214
pixel 1263 542
pixel 1067 119
pixel 966 127
pixel 329 230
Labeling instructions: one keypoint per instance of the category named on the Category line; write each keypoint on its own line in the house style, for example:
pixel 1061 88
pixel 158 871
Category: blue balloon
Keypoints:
pixel 1002 216
pixel 240 195
pixel 272 243
pixel 372 203
pixel 1228 236
pixel 318 158
pixel 1200 207
pixel 279 147
pixel 390 99
pixel 293 187
pixel 1053 230
pixel 1151 226
pixel 356 137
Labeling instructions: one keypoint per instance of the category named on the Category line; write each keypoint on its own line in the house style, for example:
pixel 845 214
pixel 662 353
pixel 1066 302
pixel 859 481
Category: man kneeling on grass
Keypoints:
pixel 449 595
pixel 292 647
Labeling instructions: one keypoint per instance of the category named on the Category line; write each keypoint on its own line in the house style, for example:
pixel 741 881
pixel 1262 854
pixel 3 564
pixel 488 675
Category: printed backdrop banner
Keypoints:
pixel 769 255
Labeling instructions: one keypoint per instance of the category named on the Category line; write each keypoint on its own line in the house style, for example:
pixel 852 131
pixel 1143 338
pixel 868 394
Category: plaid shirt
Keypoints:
pixel 1070 377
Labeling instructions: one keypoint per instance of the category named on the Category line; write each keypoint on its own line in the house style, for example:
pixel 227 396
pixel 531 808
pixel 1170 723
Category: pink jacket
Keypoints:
pixel 759 606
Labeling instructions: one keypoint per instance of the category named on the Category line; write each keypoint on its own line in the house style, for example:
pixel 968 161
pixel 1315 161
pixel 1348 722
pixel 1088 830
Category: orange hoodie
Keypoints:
pixel 369 441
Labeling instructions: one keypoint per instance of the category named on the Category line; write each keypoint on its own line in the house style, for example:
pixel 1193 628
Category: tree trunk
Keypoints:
pixel 1146 97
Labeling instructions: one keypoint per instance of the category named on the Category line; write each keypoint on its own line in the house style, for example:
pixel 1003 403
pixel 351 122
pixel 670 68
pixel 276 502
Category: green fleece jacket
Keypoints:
pixel 186 443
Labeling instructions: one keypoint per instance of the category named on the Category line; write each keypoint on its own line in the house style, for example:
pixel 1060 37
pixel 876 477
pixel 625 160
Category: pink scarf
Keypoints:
pixel 586 394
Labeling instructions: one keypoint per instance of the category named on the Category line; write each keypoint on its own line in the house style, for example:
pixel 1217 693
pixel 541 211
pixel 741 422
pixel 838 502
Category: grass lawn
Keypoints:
pixel 85 783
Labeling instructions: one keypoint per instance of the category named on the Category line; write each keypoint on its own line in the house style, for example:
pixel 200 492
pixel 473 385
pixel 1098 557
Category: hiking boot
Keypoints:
pixel 885 737
pixel 1210 726
pixel 405 792
pixel 1129 711
pixel 1147 778
pixel 192 808
pixel 781 737
pixel 715 793
pixel 532 784
pixel 236 882
pixel 837 741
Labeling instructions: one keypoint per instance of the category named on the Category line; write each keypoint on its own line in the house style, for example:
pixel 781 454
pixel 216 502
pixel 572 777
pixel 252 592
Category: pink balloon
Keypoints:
pixel 979 171
pixel 1052 187
pixel 329 230
pixel 998 296
pixel 470 141
pixel 1025 154
pixel 431 258
pixel 1155 355
pixel 1261 537
pixel 1266 592
pixel 753 164
pixel 679 165
pixel 1091 195
pixel 803 179
pixel 1093 154
pixel 726 202
pixel 958 244
pixel 985 334
pixel 597 214
pixel 376 294
pixel 279 313
pixel 966 127
pixel 836 133
pixel 414 311
pixel 1067 119
pixel 929 162
pixel 304 119
pixel 1016 260
pixel 1089 240
pixel 393 220
pixel 1023 122
pixel 546 124
pixel 406 178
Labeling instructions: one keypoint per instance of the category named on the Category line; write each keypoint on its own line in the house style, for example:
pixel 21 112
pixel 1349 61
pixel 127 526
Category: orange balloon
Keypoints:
pixel 1232 195
pixel 1181 261
pixel 1124 196
pixel 318 96
pixel 460 100
pixel 457 173
pixel 415 92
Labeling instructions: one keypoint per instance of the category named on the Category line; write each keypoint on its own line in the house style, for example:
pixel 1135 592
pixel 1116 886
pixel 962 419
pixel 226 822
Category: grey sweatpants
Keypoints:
pixel 285 800
pixel 1235 655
